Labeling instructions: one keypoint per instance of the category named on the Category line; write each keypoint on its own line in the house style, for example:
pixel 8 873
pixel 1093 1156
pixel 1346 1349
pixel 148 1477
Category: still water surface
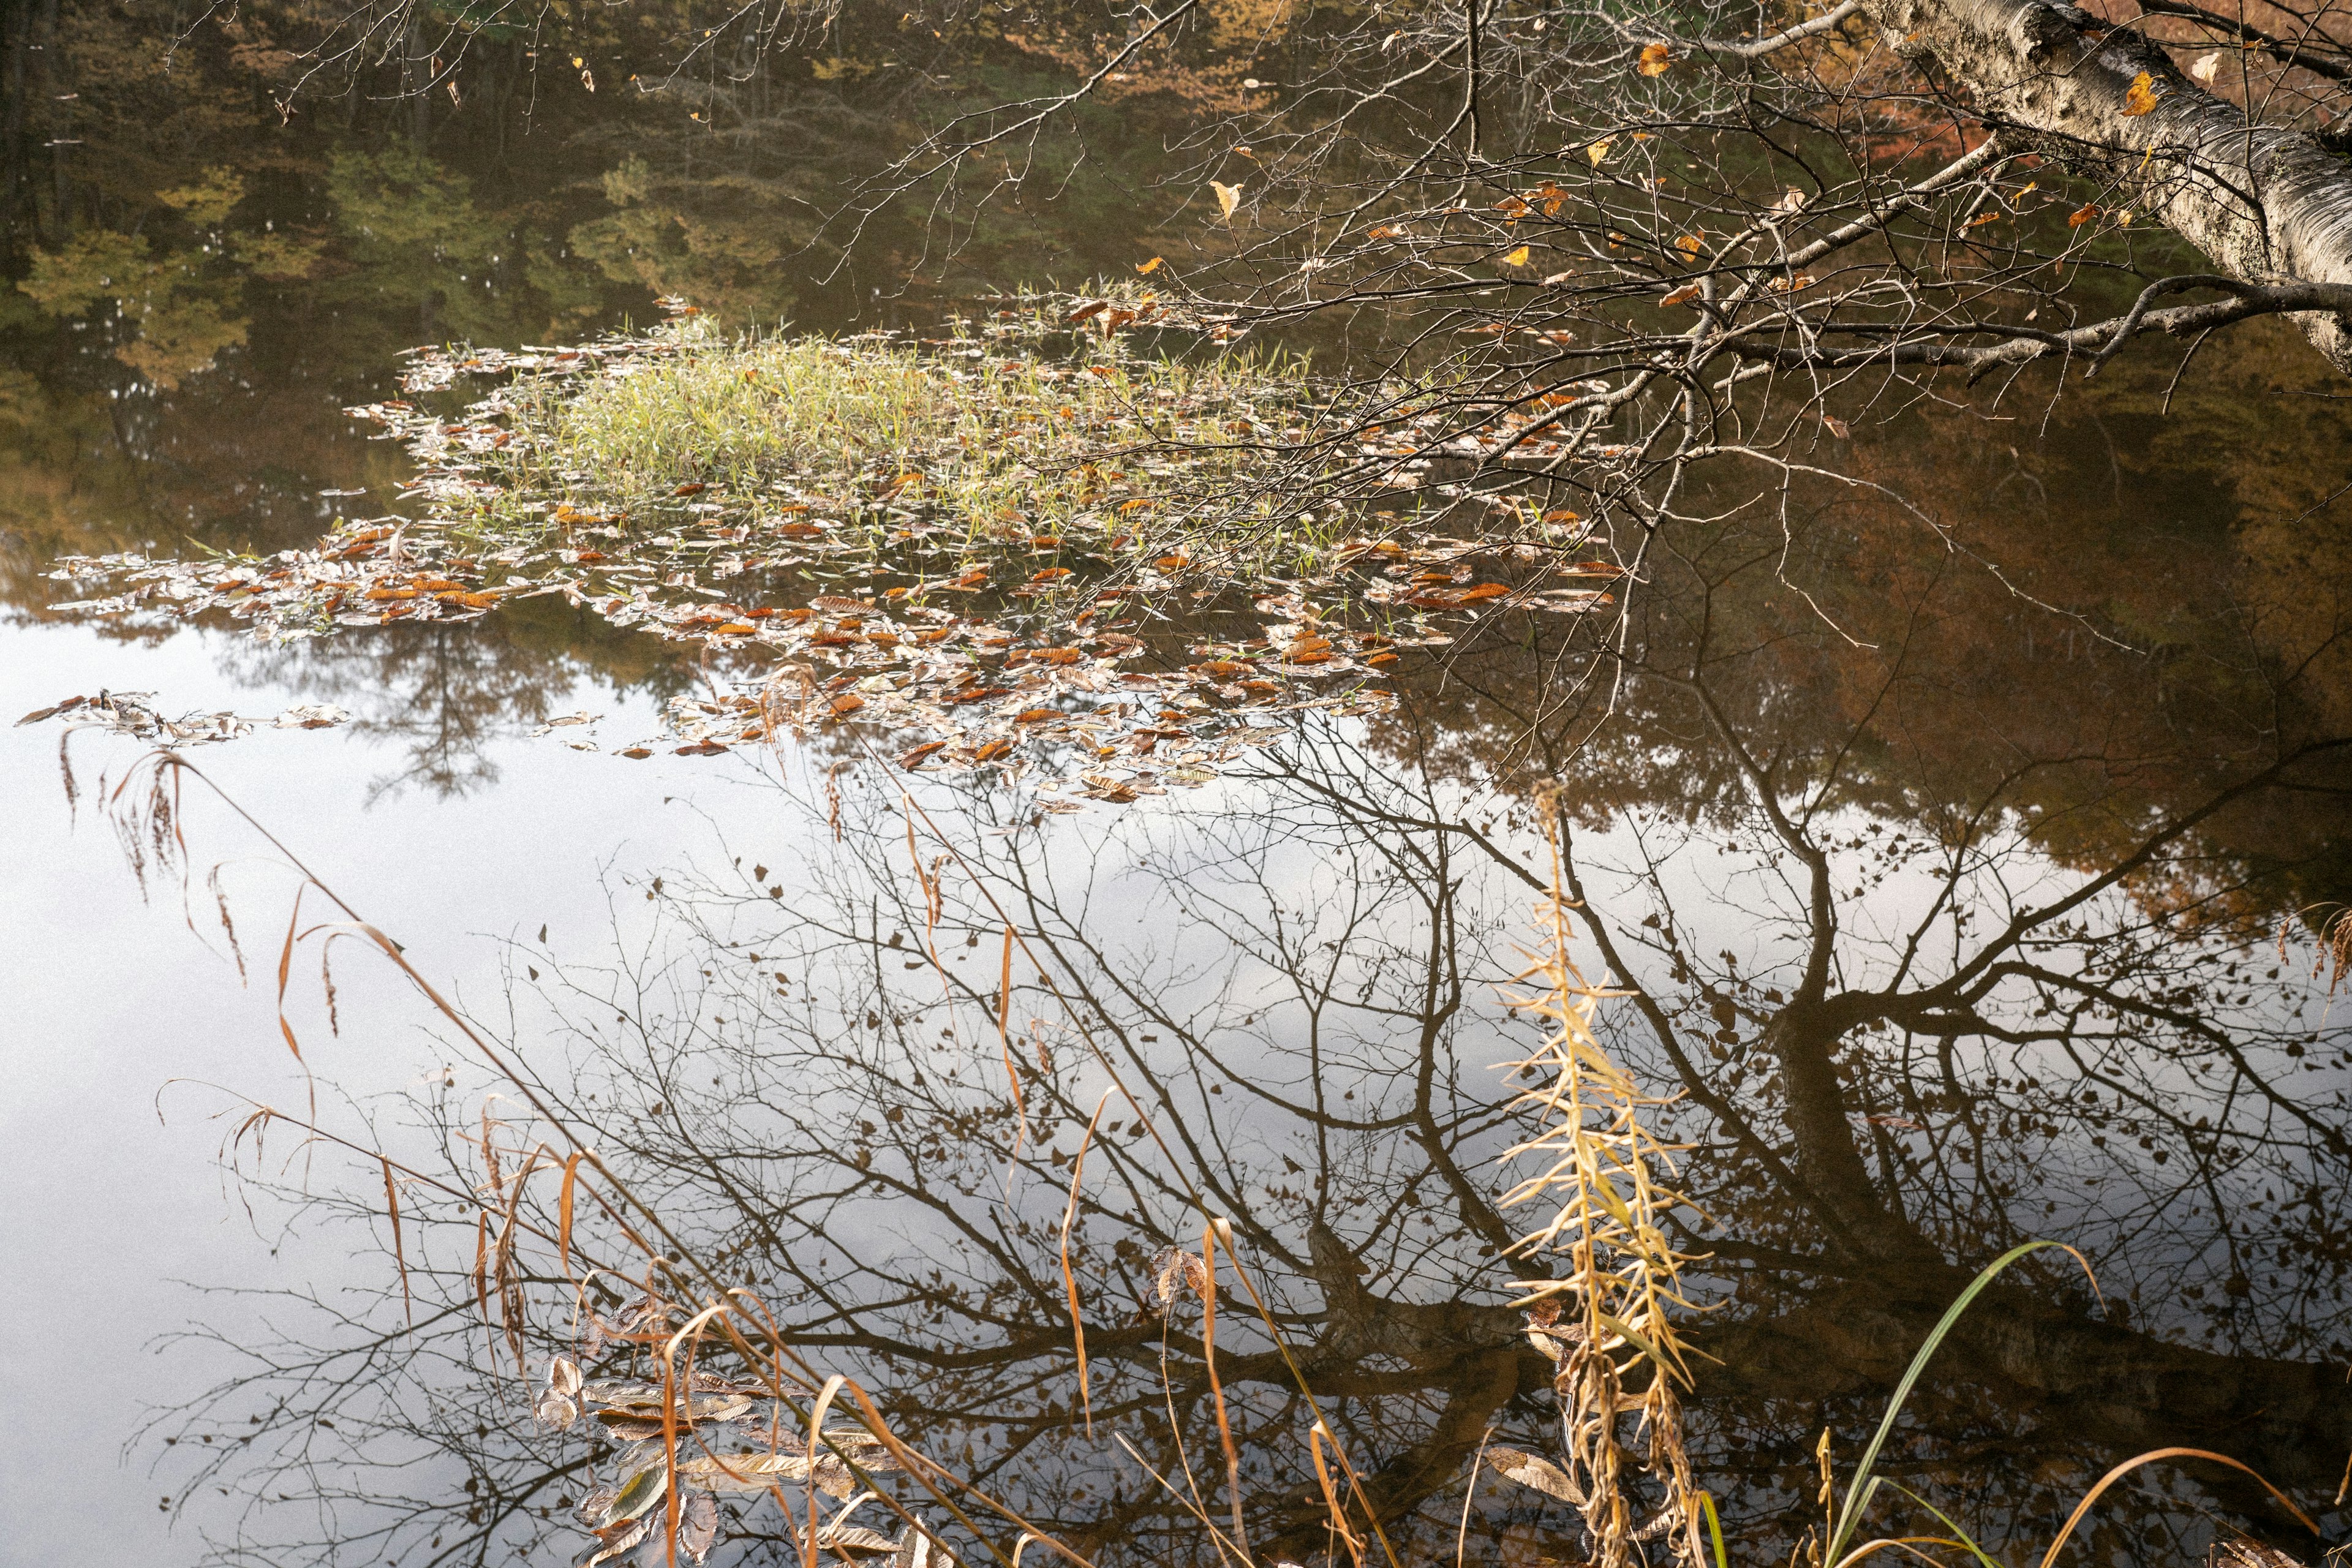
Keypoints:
pixel 1962 899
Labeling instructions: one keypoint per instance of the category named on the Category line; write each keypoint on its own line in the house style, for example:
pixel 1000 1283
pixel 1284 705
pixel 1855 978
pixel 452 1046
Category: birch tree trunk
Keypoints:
pixel 2267 205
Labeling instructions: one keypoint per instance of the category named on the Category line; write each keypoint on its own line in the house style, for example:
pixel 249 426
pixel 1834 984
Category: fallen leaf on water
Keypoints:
pixel 914 758
pixel 846 703
pixel 638 753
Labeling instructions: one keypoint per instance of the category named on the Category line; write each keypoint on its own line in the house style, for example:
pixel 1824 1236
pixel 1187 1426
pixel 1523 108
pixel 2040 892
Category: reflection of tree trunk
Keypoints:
pixel 2092 1384
pixel 1803 1039
pixel 2098 1383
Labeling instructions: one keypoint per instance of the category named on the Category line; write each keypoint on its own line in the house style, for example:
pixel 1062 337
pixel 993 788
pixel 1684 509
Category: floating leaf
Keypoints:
pixel 1541 1474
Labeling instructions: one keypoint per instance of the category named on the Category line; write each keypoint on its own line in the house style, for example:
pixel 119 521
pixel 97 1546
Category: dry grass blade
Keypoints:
pixel 1217 1384
pixel 1069 1275
pixel 399 1252
pixel 2128 1466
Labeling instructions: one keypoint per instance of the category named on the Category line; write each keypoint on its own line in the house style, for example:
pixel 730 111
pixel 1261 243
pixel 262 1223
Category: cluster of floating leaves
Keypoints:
pixel 857 596
pixel 134 713
pixel 703 1437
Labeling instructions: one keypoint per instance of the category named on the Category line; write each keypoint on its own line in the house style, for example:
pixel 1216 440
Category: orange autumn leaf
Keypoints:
pixel 2083 214
pixel 1656 59
pixel 1152 266
pixel 1682 296
pixel 2140 97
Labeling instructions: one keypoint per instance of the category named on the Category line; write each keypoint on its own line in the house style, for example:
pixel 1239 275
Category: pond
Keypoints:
pixel 1947 862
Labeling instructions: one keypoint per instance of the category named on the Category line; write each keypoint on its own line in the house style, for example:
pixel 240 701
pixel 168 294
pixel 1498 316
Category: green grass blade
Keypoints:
pixel 1858 1491
pixel 1714 1530
pixel 1983 1558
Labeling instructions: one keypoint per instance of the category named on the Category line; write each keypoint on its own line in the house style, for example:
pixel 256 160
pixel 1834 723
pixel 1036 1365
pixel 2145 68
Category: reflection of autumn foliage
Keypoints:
pixel 2079 631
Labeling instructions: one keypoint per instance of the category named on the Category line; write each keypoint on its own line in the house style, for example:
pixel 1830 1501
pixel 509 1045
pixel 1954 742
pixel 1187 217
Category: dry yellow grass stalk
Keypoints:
pixel 1609 1323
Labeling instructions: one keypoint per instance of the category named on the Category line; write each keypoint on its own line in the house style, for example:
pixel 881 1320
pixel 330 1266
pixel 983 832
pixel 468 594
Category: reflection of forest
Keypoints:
pixel 1936 964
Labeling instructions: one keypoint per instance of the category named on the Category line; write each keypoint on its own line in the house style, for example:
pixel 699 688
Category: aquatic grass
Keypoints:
pixel 1005 433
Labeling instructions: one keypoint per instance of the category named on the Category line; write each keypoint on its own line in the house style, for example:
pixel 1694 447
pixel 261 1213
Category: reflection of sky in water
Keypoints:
pixel 1274 937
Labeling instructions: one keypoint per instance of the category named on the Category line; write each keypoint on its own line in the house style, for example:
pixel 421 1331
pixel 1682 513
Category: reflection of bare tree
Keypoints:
pixel 1883 1088
pixel 444 692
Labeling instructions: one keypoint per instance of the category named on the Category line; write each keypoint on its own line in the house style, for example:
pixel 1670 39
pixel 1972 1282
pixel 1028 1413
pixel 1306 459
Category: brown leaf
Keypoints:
pixel 1682 296
pixel 1531 1471
pixel 914 758
pixel 845 704
pixel 1656 60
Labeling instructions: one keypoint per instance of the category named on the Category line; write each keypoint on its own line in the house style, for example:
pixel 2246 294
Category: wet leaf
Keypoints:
pixel 914 758
pixel 554 1411
pixel 562 1373
pixel 644 1489
pixel 698 1525
pixel 845 704
pixel 1541 1474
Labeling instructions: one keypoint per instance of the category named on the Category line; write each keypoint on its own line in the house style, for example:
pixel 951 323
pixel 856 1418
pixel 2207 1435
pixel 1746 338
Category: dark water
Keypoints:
pixel 1963 879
